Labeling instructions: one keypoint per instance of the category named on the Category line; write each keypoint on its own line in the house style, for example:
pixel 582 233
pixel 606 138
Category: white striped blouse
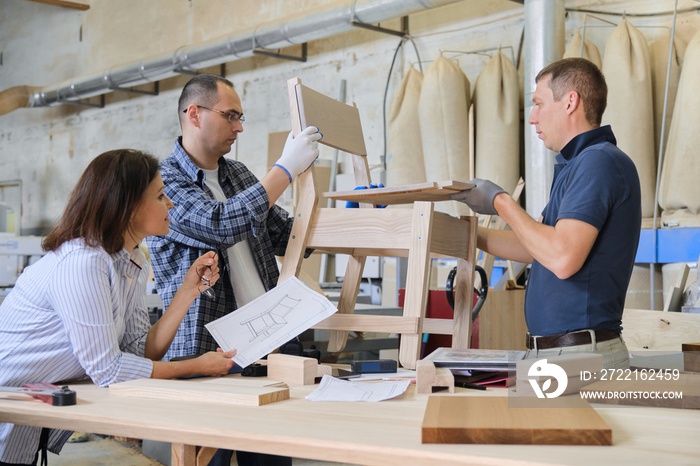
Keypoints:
pixel 76 312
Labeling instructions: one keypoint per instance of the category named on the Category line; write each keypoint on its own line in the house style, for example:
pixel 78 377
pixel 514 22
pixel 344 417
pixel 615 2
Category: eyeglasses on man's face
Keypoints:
pixel 231 116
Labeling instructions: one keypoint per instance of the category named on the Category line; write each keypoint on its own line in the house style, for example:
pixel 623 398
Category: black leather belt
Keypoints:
pixel 580 337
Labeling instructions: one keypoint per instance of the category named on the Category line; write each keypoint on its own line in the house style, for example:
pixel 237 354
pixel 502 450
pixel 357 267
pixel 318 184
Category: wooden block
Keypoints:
pixel 324 369
pixel 649 392
pixel 691 356
pixel 428 378
pixel 233 390
pixel 294 371
pixel 489 420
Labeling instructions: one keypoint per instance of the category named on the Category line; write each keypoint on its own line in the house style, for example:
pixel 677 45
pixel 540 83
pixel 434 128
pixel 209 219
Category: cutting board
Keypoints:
pixel 638 392
pixel 407 194
pixel 225 390
pixel 489 420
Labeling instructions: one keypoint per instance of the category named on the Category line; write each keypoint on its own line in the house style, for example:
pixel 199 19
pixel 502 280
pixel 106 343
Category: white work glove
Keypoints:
pixel 299 152
pixel 480 197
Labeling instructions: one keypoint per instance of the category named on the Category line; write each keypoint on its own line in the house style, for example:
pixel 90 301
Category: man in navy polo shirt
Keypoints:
pixel 583 249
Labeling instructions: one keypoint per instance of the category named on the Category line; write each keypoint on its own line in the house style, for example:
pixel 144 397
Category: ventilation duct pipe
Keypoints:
pixel 274 35
pixel 544 44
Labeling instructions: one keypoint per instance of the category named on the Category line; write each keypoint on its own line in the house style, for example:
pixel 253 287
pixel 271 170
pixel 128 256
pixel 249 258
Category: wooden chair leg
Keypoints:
pixel 464 283
pixel 347 300
pixel 417 278
pixel 296 246
pixel 204 455
pixel 461 333
pixel 183 455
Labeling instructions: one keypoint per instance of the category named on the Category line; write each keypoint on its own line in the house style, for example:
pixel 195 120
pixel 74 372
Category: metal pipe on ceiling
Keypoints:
pixel 271 36
pixel 544 44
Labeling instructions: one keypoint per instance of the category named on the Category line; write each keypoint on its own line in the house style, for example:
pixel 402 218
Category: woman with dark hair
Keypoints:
pixel 79 311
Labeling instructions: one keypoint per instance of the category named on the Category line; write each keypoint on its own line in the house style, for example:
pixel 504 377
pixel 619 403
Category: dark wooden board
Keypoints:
pixel 490 420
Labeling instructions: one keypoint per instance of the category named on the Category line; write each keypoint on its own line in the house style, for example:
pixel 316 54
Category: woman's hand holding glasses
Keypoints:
pixel 206 270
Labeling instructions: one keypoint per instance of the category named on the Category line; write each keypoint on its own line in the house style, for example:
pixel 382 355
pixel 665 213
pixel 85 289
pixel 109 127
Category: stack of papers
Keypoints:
pixel 332 389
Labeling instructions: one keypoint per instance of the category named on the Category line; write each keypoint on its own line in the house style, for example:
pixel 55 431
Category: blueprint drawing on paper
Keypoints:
pixel 269 321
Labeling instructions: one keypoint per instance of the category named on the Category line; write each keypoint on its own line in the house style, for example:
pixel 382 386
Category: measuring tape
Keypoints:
pixel 46 392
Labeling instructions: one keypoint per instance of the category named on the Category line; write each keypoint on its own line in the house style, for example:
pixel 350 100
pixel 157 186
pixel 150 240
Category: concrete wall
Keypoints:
pixel 47 148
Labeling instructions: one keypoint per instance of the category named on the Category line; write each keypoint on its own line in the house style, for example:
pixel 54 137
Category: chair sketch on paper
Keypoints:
pixel 272 319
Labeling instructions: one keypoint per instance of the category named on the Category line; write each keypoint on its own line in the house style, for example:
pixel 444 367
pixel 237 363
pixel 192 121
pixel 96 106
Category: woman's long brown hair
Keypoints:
pixel 100 207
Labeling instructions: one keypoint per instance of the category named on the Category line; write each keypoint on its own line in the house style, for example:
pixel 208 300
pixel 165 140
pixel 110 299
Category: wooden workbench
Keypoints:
pixel 385 433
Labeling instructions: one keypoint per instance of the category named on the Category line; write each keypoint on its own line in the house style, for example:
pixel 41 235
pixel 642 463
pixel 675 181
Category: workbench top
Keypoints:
pixel 382 433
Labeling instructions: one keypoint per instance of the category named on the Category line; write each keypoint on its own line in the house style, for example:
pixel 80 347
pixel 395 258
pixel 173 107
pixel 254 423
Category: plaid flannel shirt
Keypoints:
pixel 199 223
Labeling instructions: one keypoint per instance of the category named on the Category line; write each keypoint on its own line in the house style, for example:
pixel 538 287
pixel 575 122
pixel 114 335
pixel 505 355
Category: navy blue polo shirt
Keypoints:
pixel 594 182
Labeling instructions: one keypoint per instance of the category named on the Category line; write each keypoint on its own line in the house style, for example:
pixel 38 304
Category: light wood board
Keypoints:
pixel 489 420
pixel 338 122
pixel 407 194
pixel 234 390
pixel 659 331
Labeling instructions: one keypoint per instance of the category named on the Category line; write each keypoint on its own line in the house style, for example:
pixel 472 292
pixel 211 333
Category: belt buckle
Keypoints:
pixel 594 340
pixel 531 341
pixel 534 346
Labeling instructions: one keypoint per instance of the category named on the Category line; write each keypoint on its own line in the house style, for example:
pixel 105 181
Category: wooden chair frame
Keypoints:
pixel 419 233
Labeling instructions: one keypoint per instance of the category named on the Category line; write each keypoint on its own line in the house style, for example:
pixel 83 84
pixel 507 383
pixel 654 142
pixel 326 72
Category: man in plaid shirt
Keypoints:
pixel 220 205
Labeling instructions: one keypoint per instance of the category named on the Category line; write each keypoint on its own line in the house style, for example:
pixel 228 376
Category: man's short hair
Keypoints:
pixel 582 76
pixel 201 90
